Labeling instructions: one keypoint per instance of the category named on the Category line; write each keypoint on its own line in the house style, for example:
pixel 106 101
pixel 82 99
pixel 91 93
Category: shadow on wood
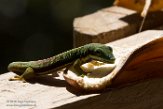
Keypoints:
pixel 143 95
pixel 153 20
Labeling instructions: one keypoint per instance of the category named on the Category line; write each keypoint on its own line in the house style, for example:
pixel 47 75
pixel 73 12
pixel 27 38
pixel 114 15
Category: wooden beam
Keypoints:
pixel 53 92
pixel 110 24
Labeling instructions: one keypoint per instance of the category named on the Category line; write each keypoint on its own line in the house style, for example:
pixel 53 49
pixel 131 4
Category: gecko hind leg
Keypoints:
pixel 28 73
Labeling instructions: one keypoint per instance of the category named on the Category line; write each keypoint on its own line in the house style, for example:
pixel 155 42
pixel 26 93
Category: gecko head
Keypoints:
pixel 104 54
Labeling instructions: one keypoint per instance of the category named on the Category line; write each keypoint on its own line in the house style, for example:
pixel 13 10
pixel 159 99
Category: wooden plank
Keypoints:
pixel 54 92
pixel 144 95
pixel 111 24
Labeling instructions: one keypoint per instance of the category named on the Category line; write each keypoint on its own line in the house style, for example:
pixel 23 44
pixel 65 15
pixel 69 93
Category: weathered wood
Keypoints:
pixel 54 92
pixel 111 24
pixel 144 95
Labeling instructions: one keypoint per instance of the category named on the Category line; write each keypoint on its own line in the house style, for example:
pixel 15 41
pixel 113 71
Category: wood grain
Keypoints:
pixel 110 24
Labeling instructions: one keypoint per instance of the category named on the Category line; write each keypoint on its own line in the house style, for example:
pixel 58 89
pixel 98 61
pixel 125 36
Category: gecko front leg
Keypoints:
pixel 28 73
pixel 77 64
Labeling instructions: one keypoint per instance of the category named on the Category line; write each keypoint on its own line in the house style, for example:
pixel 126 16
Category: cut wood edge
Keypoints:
pixel 110 24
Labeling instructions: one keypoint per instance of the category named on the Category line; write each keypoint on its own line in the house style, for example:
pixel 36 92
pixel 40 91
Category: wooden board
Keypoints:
pixel 54 92
pixel 111 24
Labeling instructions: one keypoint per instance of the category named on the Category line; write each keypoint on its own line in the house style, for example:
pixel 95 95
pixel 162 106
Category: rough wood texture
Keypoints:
pixel 111 24
pixel 54 92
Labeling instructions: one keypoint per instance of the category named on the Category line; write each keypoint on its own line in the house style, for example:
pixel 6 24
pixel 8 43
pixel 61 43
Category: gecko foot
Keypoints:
pixel 19 78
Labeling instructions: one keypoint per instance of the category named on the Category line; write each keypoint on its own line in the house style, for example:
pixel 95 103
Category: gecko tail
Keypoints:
pixel 17 67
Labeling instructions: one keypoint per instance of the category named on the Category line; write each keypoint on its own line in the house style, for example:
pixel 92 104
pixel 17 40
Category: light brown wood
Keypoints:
pixel 54 92
pixel 133 55
pixel 142 57
pixel 144 95
pixel 111 24
pixel 58 95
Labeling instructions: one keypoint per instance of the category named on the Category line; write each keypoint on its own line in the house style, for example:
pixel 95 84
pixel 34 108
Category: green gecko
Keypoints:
pixel 74 57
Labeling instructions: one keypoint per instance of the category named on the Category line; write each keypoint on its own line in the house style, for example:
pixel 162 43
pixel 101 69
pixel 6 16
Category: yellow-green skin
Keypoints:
pixel 74 57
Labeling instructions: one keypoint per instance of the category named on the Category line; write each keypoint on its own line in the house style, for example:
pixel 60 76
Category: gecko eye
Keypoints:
pixel 98 51
pixel 109 48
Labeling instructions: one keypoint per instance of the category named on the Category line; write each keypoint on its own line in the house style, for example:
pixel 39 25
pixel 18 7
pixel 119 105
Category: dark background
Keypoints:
pixel 37 29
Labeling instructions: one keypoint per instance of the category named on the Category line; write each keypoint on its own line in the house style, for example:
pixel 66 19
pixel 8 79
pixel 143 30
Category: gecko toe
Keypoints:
pixel 17 78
